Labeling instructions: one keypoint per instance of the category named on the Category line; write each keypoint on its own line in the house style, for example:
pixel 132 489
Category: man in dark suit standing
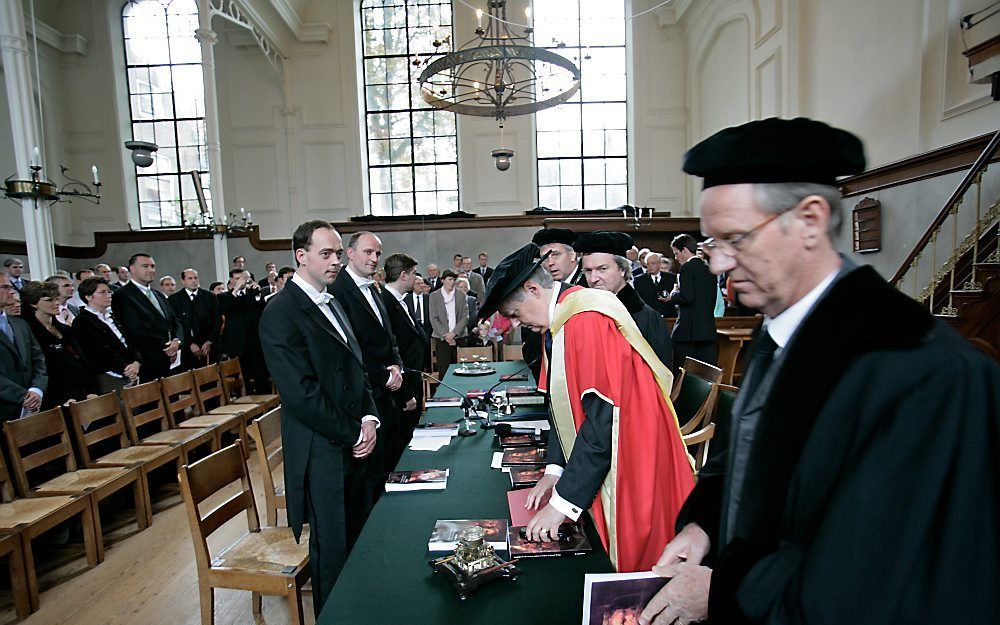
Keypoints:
pixel 148 319
pixel 484 268
pixel 242 306
pixel 433 279
pixel 418 304
pixel 198 311
pixel 654 285
pixel 413 343
pixel 694 332
pixel 328 416
pixel 355 291
pixel 23 377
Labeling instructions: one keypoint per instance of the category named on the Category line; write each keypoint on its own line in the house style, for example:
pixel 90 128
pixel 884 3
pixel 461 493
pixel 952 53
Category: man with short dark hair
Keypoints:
pixel 123 278
pixel 199 313
pixel 328 416
pixel 241 306
pixel 484 268
pixel 411 340
pixel 354 289
pixel 279 281
pixel 66 291
pixel 23 377
pixel 856 478
pixel 148 320
pixel 694 295
pixel 13 268
pixel 457 263
pixel 76 303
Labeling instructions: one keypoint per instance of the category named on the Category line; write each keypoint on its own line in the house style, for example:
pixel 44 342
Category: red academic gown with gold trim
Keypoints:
pixel 604 389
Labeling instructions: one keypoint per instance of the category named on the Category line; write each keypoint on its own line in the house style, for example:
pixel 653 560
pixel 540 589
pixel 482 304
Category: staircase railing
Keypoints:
pixel 927 245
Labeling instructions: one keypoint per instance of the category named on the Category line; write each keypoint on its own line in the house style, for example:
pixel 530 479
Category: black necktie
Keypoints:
pixel 761 359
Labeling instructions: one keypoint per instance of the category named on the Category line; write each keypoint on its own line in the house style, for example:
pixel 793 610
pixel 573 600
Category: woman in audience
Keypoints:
pixel 70 376
pixel 115 363
pixel 449 310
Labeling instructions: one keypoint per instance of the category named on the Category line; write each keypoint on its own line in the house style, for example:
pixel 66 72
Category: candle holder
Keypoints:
pixel 41 189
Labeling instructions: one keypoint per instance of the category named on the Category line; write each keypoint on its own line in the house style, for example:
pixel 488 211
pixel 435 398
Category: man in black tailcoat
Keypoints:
pixel 856 478
pixel 328 416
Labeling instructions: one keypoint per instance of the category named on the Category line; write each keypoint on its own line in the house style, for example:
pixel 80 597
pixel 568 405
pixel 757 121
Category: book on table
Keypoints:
pixel 446 533
pixel 436 429
pixel 514 377
pixel 523 456
pixel 417 479
pixel 618 597
pixel 444 402
pixel 572 541
pixel 523 477
pixel 524 396
pixel 508 441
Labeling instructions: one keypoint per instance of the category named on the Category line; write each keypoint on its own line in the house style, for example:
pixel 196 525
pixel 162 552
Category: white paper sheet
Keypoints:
pixel 429 443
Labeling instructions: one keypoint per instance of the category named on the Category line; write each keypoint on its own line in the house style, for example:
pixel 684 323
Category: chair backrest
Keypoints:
pixel 144 409
pixel 512 352
pixel 696 396
pixel 232 377
pixel 6 483
pixel 205 478
pixel 179 397
pixel 724 402
pixel 697 443
pixel 472 353
pixel 209 388
pixel 266 433
pixel 703 370
pixel 97 421
pixel 45 436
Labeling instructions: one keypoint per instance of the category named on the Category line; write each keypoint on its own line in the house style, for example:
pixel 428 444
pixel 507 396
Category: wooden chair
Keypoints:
pixel 512 352
pixel 149 423
pixel 471 353
pixel 236 386
pixel 97 423
pixel 724 402
pixel 185 406
pixel 264 561
pixel 266 433
pixel 213 397
pixel 45 434
pixel 26 520
pixel 697 444
pixel 696 395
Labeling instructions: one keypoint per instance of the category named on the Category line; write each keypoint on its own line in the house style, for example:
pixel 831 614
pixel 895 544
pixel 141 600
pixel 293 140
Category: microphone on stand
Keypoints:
pixel 485 400
pixel 467 405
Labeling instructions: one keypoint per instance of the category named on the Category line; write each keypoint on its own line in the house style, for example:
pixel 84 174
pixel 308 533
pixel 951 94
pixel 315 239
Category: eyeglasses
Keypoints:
pixel 730 246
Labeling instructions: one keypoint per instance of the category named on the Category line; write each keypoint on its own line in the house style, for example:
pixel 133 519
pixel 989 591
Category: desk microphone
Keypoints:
pixel 467 405
pixel 484 404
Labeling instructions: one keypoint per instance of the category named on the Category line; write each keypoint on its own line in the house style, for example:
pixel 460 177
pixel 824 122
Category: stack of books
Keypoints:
pixel 417 479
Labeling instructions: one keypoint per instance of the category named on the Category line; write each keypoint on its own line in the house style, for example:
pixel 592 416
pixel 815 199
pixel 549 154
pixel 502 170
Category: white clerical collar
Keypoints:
pixel 553 302
pixel 311 292
pixel 399 296
pixel 358 280
pixel 782 327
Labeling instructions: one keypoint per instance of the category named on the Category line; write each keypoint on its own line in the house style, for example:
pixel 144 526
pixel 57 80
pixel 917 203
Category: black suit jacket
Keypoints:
pixel 648 291
pixel 201 317
pixel 485 272
pixel 21 367
pixel 146 329
pixel 695 303
pixel 379 341
pixel 324 394
pixel 411 341
pixel 243 315
pixel 434 283
pixel 100 346
pixel 425 301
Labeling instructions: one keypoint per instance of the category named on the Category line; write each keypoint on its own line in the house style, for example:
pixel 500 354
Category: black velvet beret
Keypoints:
pixel 616 243
pixel 508 276
pixel 776 150
pixel 547 236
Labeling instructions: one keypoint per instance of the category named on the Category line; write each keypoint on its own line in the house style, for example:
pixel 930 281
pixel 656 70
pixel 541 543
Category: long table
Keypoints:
pixel 387 579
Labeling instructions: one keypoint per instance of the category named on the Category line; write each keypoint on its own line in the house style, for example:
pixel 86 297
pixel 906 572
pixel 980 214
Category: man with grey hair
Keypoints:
pixel 856 478
pixel 607 268
pixel 103 270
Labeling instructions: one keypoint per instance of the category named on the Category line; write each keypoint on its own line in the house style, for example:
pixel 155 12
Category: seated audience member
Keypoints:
pixel 115 363
pixel 22 365
pixel 70 375
pixel 449 321
pixel 13 307
pixel 66 291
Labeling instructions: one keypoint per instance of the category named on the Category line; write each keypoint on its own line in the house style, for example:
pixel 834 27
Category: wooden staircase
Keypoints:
pixel 976 309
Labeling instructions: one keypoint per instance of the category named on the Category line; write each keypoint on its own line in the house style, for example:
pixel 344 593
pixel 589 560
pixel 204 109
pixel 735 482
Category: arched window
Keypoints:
pixel 412 148
pixel 582 145
pixel 167 103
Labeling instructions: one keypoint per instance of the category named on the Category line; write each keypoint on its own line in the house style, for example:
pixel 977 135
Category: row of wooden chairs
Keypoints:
pixel 119 441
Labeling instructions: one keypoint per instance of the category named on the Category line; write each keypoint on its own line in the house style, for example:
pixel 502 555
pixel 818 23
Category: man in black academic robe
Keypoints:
pixel 328 416
pixel 412 342
pixel 856 479
pixel 694 332
pixel 607 268
pixel 373 328
pixel 198 310
pixel 148 320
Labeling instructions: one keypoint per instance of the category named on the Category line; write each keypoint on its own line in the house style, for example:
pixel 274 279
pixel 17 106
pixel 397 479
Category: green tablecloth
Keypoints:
pixel 387 579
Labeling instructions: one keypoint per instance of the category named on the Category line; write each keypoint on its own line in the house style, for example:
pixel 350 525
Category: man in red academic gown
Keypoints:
pixel 611 410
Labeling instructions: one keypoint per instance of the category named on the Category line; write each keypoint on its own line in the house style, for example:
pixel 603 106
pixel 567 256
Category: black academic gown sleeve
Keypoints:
pixel 590 460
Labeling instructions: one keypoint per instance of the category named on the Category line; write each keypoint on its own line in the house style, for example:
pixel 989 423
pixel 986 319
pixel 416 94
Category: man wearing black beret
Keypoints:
pixel 606 267
pixel 856 480
pixel 611 410
pixel 563 261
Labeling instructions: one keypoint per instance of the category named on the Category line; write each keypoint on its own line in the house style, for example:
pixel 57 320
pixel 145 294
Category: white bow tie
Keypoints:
pixel 322 298
pixel 364 284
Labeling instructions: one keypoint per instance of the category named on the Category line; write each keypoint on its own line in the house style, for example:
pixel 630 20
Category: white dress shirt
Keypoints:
pixel 107 320
pixel 322 301
pixel 399 298
pixel 365 284
pixel 782 327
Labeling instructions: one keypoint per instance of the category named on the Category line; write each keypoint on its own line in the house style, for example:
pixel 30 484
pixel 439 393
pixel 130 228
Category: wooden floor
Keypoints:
pixel 147 578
